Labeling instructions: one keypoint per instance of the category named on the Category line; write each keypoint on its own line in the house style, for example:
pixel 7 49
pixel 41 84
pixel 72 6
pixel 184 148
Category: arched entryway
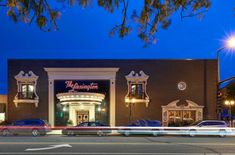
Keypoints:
pixel 55 74
pixel 81 105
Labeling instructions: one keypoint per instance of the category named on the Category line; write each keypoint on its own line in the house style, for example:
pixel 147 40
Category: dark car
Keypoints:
pixel 141 127
pixel 87 128
pixel 34 127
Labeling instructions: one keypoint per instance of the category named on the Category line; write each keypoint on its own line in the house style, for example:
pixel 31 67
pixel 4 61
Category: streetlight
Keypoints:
pixel 230 103
pixel 229 44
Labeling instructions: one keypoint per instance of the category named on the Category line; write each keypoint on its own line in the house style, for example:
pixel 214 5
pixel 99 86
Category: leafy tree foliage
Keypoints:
pixel 29 11
pixel 154 14
pixel 229 92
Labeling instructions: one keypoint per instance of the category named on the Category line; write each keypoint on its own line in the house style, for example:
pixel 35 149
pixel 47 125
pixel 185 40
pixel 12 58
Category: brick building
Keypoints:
pixel 112 91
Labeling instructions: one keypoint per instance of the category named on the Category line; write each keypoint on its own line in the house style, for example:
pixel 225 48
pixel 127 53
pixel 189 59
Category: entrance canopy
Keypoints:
pixel 80 98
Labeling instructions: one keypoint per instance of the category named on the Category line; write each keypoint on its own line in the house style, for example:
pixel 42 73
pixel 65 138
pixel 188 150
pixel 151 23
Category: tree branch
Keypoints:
pixel 50 14
pixel 192 14
pixel 31 20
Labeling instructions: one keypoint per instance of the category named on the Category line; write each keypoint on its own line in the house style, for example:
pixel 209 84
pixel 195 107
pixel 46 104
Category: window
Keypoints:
pixel 27 91
pixel 181 115
pixel 137 91
pixel 84 124
pixel 19 123
pixel 217 123
pixel 206 123
pixel 137 88
pixel 26 88
pixel 92 124
pixel 173 113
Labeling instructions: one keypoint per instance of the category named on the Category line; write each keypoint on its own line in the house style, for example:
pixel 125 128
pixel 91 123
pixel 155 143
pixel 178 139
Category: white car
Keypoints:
pixel 209 127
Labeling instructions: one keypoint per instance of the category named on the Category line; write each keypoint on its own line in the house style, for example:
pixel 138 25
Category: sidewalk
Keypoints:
pixel 59 132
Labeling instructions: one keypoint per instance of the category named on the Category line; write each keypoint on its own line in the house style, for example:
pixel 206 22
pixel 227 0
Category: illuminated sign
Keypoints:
pixel 76 86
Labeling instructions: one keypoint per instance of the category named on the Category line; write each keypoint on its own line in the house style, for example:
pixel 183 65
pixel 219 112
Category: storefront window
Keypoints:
pixel 174 114
pixel 186 115
pixel 189 116
pixel 177 115
pixel 182 116
pixel 171 116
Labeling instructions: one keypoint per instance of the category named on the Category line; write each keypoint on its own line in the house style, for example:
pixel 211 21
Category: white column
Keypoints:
pixel 91 109
pixel 51 111
pixel 112 102
pixel 164 116
pixel 71 114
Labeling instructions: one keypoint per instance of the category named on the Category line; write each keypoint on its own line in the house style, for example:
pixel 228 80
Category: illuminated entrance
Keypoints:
pixel 81 106
pixel 58 114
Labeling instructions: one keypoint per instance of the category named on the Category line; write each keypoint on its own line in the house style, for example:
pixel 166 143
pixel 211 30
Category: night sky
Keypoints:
pixel 84 34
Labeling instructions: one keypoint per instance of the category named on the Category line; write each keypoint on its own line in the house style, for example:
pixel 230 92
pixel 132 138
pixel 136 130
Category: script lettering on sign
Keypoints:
pixel 76 86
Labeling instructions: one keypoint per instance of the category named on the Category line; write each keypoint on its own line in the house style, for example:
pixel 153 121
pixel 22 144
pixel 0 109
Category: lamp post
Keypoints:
pixel 129 103
pixel 229 44
pixel 218 62
pixel 230 103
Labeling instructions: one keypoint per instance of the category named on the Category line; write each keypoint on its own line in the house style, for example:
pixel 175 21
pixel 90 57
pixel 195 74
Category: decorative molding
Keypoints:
pixel 137 78
pixel 182 85
pixel 190 104
pixel 35 101
pixel 172 106
pixel 80 98
pixel 26 78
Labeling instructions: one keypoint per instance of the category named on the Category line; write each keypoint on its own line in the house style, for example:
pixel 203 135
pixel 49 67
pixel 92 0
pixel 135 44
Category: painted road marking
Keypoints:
pixel 114 153
pixel 114 143
pixel 49 147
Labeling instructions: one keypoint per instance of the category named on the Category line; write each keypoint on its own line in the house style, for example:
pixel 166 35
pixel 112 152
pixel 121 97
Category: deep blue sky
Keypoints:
pixel 84 33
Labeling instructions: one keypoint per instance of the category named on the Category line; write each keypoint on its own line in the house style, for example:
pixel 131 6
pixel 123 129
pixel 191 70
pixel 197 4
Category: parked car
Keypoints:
pixel 35 127
pixel 208 127
pixel 87 128
pixel 4 123
pixel 141 127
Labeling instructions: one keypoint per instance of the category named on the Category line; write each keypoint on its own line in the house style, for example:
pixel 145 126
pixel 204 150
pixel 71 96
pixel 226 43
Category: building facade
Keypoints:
pixel 112 91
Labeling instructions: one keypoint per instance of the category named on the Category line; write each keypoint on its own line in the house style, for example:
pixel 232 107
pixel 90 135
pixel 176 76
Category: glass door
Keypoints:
pixel 82 116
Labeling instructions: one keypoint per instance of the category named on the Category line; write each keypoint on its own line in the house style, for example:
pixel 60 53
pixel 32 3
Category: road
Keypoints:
pixel 166 145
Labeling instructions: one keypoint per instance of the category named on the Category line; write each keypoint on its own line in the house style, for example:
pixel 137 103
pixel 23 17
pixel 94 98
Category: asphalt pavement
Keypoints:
pixel 139 145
